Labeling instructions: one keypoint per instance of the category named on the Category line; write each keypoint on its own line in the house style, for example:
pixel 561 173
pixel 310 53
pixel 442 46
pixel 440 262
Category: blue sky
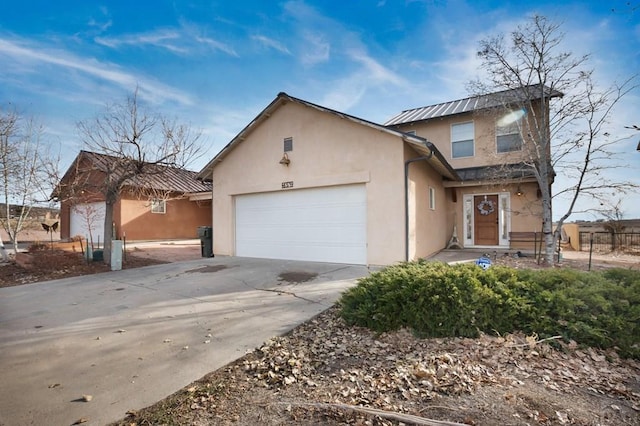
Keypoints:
pixel 216 64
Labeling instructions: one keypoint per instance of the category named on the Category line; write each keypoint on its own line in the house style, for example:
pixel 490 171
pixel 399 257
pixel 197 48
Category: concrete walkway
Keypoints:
pixel 132 337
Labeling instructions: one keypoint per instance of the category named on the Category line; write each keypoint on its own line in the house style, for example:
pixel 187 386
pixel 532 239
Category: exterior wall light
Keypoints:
pixel 519 191
pixel 285 160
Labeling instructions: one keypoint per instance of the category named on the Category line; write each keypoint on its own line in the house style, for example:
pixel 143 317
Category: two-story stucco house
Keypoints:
pixel 304 182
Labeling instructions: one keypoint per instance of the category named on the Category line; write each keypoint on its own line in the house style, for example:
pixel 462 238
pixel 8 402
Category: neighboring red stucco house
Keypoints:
pixel 169 205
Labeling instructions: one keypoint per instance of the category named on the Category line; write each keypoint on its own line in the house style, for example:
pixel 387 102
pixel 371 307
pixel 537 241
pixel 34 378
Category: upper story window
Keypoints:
pixel 159 206
pixel 508 138
pixel 462 140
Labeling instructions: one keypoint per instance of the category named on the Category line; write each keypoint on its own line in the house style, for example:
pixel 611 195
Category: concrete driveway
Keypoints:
pixel 132 337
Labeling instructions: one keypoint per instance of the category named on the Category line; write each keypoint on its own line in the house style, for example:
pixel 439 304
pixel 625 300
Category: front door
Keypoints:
pixel 485 220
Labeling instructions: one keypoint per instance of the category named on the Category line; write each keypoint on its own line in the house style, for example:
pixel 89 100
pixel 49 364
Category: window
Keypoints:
pixel 288 144
pixel 432 198
pixel 468 213
pixel 462 140
pixel 158 206
pixel 508 137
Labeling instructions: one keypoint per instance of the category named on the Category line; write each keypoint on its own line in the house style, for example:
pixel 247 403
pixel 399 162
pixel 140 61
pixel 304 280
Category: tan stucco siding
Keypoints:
pixel 135 220
pixel 526 208
pixel 438 131
pixel 327 150
pixel 428 227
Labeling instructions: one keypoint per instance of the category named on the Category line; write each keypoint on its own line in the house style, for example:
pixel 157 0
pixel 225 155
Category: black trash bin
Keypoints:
pixel 206 240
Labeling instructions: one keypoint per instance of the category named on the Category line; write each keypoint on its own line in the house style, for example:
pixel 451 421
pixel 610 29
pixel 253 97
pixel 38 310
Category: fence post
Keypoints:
pixel 590 249
pixel 613 240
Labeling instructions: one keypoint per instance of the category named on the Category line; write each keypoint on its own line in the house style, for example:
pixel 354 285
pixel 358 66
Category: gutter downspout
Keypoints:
pixel 406 200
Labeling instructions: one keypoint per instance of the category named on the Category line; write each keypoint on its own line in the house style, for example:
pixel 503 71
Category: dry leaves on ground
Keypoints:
pixel 325 372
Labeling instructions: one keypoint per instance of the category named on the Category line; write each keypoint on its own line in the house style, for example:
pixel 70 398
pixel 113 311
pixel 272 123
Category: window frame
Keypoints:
pixel 158 202
pixel 432 198
pixel 473 139
pixel 512 126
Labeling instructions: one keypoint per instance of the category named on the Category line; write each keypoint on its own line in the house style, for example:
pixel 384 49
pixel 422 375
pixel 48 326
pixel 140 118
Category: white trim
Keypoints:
pixel 432 198
pixel 504 219
pixel 159 203
pixel 200 196
pixel 473 139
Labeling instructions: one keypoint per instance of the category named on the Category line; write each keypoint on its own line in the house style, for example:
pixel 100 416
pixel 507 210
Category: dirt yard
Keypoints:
pixel 46 264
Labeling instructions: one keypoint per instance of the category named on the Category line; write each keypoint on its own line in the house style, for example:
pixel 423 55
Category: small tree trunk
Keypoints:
pixel 547 220
pixel 108 229
pixel 3 251
pixel 14 241
pixel 549 242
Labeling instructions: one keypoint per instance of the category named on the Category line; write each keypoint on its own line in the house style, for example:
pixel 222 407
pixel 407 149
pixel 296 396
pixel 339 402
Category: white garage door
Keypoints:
pixel 318 224
pixel 88 217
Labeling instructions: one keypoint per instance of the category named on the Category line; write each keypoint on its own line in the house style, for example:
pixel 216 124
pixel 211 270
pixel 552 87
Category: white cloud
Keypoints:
pixel 332 44
pixel 271 43
pixel 347 92
pixel 103 23
pixel 160 38
pixel 216 45
pixel 315 32
pixel 35 56
pixel 178 41
pixel 378 73
pixel 316 49
pixel 102 26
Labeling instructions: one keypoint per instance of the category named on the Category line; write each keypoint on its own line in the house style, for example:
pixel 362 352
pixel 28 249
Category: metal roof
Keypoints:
pixel 157 177
pixel 474 103
pixel 500 172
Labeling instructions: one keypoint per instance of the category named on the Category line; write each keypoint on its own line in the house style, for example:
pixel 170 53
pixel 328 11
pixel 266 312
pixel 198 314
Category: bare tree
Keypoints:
pixel 26 171
pixel 141 144
pixel 614 222
pixel 565 130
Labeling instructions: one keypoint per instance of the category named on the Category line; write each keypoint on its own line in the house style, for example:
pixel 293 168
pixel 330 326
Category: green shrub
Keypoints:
pixel 600 309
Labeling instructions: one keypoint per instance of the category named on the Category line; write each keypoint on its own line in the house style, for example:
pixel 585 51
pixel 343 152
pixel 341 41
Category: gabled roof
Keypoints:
pixel 165 179
pixel 421 145
pixel 474 103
